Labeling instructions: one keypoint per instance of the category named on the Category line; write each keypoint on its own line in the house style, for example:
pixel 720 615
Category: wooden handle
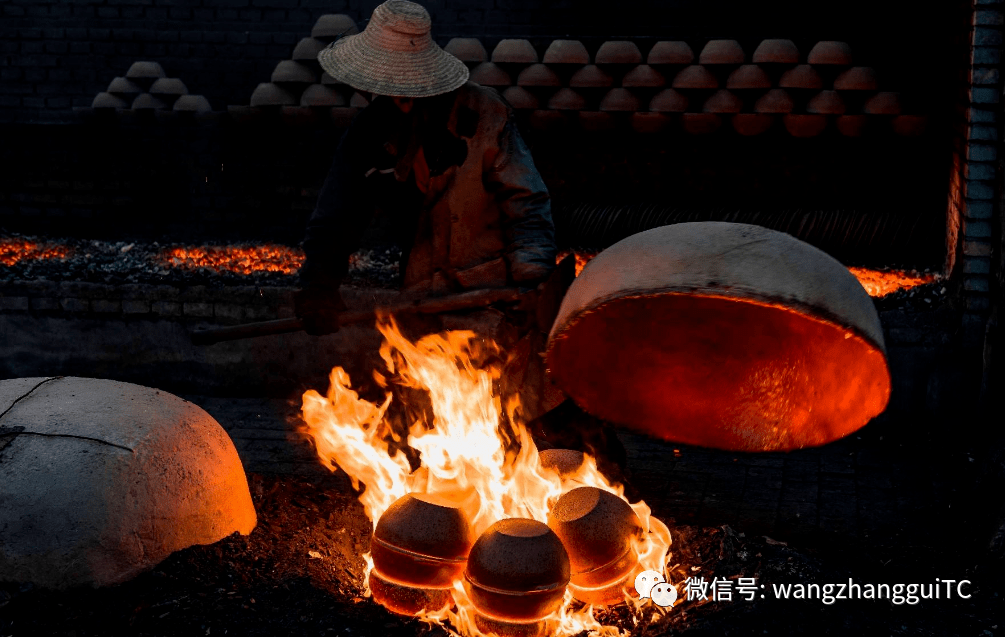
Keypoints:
pixel 436 305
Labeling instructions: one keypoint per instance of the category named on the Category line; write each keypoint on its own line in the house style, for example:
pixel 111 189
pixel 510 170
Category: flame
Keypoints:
pixel 878 283
pixel 464 448
pixel 236 259
pixel 582 258
pixel 14 250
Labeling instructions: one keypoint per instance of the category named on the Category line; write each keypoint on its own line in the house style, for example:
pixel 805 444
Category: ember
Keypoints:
pixel 236 259
pixel 271 262
pixel 468 466
pixel 13 250
pixel 880 283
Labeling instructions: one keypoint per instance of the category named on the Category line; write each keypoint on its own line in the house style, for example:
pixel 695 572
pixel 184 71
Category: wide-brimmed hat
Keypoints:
pixel 394 55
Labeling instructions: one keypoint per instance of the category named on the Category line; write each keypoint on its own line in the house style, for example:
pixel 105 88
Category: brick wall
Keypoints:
pixel 972 211
pixel 57 54
pixel 135 175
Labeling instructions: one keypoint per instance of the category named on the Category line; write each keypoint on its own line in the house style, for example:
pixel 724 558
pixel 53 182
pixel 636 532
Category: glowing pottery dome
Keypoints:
pixel 721 335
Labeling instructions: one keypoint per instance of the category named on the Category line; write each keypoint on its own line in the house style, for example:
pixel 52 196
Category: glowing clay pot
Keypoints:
pixel 517 571
pixel 597 529
pixel 509 629
pixel 722 335
pixel 565 462
pixel 408 600
pixel 419 547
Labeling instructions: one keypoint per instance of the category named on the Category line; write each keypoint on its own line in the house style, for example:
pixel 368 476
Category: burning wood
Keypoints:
pixel 473 476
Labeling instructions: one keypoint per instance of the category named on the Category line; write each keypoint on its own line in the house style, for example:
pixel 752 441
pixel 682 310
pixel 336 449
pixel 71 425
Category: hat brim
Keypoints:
pixel 356 62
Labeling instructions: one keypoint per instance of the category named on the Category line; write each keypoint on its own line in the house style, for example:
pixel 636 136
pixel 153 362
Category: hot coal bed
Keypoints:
pixel 149 217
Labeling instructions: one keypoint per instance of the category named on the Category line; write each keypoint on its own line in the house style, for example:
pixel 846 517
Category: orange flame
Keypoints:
pixel 463 450
pixel 14 250
pixel 880 283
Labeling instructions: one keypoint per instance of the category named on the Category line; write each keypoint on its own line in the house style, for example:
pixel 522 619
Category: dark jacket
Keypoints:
pixel 469 206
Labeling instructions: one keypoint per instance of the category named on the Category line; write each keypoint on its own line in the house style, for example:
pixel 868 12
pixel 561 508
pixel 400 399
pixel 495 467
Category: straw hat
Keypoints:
pixel 395 55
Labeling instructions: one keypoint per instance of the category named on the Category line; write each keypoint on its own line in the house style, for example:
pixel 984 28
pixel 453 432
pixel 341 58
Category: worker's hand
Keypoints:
pixel 529 273
pixel 318 308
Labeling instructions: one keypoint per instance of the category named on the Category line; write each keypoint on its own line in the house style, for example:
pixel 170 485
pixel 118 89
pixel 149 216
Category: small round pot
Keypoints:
pixel 423 541
pixel 517 571
pixel 598 530
pixel 509 629
pixel 408 600
pixel 563 461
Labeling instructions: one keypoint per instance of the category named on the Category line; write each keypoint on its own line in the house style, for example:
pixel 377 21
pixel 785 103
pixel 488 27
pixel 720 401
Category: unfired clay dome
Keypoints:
pixel 514 51
pixel 333 25
pixel 468 50
pixel 670 52
pixel 618 52
pixel 488 74
pixel 101 480
pixel 776 52
pixel 566 52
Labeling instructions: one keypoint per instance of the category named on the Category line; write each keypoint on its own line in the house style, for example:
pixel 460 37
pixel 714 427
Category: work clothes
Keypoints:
pixel 470 209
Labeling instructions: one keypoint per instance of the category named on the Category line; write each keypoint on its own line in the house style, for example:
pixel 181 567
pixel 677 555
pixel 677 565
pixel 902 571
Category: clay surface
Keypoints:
pixel 101 480
pixel 722 335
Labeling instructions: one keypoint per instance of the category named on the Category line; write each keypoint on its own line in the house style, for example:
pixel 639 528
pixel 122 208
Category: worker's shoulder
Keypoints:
pixel 482 98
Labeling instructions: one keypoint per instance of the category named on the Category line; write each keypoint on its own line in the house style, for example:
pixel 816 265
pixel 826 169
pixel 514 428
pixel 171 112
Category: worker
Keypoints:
pixel 441 157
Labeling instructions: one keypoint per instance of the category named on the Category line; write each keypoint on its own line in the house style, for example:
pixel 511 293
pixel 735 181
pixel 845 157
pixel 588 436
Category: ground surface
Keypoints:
pixel 894 503
pixel 299 571
pixel 153 263
pixel 226 264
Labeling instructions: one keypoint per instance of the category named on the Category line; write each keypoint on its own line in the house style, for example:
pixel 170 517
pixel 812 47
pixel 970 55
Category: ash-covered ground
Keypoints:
pixel 299 573
pixel 155 263
pixel 241 264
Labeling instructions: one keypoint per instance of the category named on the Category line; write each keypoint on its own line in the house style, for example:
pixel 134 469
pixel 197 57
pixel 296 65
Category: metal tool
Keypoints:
pixel 436 305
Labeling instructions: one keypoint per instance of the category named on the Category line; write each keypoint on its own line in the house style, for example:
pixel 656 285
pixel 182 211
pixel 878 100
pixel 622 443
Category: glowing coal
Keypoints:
pixel 236 259
pixel 15 250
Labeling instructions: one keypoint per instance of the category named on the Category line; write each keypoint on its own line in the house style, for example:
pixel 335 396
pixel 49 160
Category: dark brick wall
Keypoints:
pixel 973 211
pixel 57 54
pixel 139 176
pixel 132 176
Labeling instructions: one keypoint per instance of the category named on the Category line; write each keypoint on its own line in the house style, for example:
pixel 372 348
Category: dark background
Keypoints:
pixel 57 54
pixel 136 177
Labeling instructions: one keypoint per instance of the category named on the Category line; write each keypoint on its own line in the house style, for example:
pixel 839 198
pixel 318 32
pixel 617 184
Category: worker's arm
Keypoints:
pixel 526 207
pixel 342 214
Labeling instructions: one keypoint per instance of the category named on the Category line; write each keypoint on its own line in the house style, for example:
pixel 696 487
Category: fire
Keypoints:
pixel 14 250
pixel 878 283
pixel 582 258
pixel 237 259
pixel 467 456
